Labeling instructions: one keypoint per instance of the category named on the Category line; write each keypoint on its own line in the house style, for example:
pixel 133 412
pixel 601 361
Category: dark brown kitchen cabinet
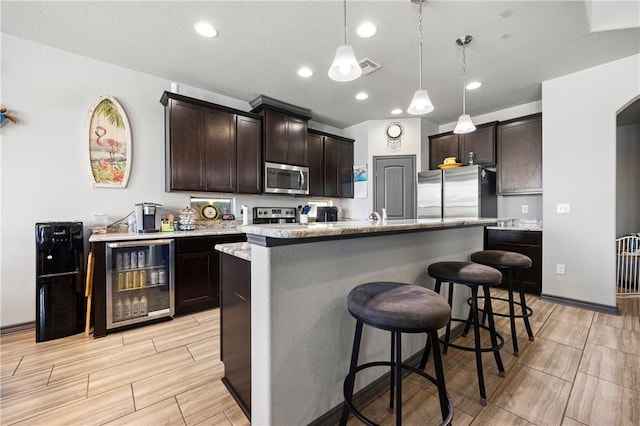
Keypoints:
pixel 249 155
pixel 315 157
pixel 331 162
pixel 285 131
pixel 528 243
pixel 519 167
pixel 482 142
pixel 235 328
pixel 210 147
pixel 197 272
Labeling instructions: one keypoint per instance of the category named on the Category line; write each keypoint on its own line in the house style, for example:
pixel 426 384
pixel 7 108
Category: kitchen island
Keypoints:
pixel 301 331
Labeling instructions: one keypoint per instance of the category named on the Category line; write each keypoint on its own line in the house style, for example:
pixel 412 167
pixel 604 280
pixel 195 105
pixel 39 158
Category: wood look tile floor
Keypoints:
pixel 582 369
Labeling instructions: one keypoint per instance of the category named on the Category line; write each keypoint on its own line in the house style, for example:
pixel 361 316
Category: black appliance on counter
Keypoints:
pixel 60 301
pixel 327 214
pixel 274 215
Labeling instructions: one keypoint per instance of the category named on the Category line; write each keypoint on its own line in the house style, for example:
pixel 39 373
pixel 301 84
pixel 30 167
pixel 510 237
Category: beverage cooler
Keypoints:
pixel 140 281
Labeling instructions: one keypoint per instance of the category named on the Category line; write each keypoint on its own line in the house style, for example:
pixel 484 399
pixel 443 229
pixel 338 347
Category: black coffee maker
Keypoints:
pixel 327 214
pixel 148 217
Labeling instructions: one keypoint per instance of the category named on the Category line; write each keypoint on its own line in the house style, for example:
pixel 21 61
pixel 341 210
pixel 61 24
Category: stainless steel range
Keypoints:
pixel 274 215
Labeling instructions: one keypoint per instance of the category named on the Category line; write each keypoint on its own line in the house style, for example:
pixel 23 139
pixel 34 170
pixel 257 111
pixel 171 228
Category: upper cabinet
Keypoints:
pixel 519 167
pixel 202 145
pixel 285 131
pixel 482 142
pixel 330 165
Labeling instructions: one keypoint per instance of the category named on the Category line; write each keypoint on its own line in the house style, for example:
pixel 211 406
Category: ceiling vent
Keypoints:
pixel 368 66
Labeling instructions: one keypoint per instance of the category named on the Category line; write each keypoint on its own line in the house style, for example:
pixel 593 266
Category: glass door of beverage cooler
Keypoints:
pixel 140 284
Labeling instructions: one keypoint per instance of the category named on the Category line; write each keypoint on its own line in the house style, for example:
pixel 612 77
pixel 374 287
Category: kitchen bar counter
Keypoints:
pixel 301 331
pixel 125 236
pixel 283 234
pixel 239 250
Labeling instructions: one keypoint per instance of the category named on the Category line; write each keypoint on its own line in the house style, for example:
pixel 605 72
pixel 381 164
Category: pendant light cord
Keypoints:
pixel 464 78
pixel 345 22
pixel 420 36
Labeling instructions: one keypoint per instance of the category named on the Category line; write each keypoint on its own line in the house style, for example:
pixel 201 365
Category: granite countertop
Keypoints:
pixel 240 250
pixel 124 236
pixel 331 229
pixel 516 228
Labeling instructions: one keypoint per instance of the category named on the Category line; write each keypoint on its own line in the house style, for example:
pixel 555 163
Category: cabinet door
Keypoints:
pixel 276 142
pixel 187 150
pixel 197 281
pixel 315 156
pixel 523 242
pixel 331 167
pixel 520 156
pixel 220 151
pixel 296 141
pixel 441 147
pixel 249 155
pixel 481 142
pixel 235 327
pixel 345 171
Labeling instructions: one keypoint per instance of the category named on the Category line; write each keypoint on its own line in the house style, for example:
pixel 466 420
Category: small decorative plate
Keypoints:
pixel 209 212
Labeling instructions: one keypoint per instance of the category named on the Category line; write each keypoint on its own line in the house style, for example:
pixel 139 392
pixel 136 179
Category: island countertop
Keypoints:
pixel 263 234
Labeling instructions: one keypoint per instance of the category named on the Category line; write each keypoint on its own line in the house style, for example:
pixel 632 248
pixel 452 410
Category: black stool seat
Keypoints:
pixel 501 259
pixel 508 262
pixel 398 308
pixel 474 276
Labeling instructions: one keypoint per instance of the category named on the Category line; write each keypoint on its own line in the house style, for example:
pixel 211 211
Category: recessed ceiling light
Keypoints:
pixel 205 29
pixel 396 111
pixel 473 85
pixel 366 30
pixel 305 72
pixel 361 96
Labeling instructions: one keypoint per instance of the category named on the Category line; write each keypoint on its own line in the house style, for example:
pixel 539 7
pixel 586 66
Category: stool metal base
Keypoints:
pixel 397 366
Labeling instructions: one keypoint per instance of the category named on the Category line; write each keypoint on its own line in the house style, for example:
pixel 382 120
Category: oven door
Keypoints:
pixel 286 179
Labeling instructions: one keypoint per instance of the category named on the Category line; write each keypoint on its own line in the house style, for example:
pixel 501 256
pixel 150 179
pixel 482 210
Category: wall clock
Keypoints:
pixel 393 133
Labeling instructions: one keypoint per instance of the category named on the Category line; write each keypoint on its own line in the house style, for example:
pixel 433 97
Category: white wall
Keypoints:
pixel 578 165
pixel 44 172
pixel 628 179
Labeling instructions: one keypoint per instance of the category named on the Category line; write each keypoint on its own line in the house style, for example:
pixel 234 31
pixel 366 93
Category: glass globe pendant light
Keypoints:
pixel 421 103
pixel 464 125
pixel 345 66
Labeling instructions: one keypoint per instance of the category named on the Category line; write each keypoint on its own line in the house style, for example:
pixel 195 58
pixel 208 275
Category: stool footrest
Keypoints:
pixel 348 398
pixel 528 311
pixel 473 348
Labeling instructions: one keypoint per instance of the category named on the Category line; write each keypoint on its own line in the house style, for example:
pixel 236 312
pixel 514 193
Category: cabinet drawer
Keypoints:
pixel 515 237
pixel 199 244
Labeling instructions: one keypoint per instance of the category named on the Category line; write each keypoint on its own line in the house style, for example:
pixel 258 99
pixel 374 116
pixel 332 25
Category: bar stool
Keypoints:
pixel 507 261
pixel 398 308
pixel 473 275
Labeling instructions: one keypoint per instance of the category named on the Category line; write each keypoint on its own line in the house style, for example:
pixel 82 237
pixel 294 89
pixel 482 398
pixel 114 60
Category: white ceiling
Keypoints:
pixel 261 44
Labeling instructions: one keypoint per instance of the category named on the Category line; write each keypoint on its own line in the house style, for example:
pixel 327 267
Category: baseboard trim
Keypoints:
pixel 369 393
pixel 16 328
pixel 581 304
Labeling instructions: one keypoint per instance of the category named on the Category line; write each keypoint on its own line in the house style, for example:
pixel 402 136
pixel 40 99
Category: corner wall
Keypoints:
pixel 578 165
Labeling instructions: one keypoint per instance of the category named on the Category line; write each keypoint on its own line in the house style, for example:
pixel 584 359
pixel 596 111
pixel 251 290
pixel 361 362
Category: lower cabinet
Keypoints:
pixel 528 243
pixel 235 328
pixel 197 276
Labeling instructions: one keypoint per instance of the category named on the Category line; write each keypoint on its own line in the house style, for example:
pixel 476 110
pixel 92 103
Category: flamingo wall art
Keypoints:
pixel 109 144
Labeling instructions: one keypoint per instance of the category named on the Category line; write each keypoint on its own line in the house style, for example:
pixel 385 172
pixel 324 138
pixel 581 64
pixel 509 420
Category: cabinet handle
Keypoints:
pixel 243 298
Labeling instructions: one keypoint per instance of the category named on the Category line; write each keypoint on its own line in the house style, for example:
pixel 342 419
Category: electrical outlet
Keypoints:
pixel 525 208
pixel 564 208
pixel 560 268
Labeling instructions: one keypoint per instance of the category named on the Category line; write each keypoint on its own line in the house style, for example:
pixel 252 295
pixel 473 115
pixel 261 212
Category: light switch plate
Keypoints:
pixel 560 268
pixel 564 208
pixel 525 208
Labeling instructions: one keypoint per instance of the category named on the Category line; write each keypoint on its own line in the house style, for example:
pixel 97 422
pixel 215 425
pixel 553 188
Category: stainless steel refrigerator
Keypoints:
pixel 457 192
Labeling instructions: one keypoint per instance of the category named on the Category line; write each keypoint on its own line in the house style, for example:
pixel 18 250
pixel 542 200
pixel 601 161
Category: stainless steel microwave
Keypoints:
pixel 286 179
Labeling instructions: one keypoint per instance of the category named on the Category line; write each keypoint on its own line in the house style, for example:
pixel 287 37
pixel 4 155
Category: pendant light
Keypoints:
pixel 345 66
pixel 420 104
pixel 464 125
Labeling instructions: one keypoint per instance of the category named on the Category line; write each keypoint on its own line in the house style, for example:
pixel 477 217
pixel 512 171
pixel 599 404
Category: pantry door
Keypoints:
pixel 394 186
